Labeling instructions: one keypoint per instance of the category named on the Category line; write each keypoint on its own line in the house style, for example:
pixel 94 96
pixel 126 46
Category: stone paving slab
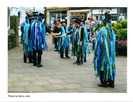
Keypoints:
pixel 59 75
pixel 17 89
pixel 21 83
pixel 33 89
pixel 54 87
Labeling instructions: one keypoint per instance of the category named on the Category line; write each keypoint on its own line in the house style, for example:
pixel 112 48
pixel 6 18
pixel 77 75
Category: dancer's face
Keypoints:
pixel 31 20
pixel 63 24
pixel 35 17
pixel 76 24
pixel 73 19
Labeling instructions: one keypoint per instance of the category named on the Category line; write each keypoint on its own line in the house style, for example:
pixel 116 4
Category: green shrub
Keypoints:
pixel 113 24
pixel 122 34
pixel 14 24
pixel 118 26
pixel 124 23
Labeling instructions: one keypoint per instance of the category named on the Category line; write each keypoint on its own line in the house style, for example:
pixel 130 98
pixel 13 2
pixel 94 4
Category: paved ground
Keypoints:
pixel 59 75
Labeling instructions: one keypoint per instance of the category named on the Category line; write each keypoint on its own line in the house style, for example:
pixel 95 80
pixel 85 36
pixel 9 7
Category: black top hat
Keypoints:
pixel 42 15
pixel 63 21
pixel 83 21
pixel 74 17
pixel 107 17
pixel 35 13
pixel 30 17
pixel 78 21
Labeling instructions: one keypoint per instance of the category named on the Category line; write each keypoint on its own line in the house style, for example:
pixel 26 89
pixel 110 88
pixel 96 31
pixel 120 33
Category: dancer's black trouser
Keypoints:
pixel 80 56
pixel 55 42
pixel 37 59
pixel 62 52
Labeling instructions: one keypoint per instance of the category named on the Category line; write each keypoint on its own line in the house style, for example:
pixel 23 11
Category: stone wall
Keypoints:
pixel 14 24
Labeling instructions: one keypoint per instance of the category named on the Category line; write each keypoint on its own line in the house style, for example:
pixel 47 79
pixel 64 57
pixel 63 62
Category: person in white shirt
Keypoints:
pixel 121 17
pixel 87 24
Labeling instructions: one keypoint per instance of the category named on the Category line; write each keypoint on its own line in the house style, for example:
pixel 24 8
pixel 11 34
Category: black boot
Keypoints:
pixel 34 58
pixel 66 54
pixel 103 82
pixel 30 58
pixel 39 59
pixel 24 58
pixel 111 83
pixel 61 52
pixel 61 55
pixel 85 60
pixel 81 60
pixel 39 65
pixel 76 61
pixel 85 57
pixel 67 57
pixel 34 64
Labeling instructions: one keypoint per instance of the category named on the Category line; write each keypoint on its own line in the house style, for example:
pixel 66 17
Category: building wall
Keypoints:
pixel 83 14
pixel 68 17
pixel 48 17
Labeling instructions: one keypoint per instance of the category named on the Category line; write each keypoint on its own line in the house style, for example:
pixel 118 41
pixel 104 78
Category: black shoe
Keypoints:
pixel 34 64
pixel 67 57
pixel 79 63
pixel 39 65
pixel 62 57
pixel 102 85
pixel 112 86
pixel 30 61
pixel 85 60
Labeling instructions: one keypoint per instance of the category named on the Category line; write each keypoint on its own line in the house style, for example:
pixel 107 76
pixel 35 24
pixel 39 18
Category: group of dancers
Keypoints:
pixel 33 38
pixel 72 38
pixel 75 35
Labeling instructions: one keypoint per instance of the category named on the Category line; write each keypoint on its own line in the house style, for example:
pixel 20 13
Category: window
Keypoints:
pixel 81 15
pixel 57 14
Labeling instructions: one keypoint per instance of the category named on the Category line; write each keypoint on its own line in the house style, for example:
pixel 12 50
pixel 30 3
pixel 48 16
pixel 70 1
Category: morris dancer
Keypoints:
pixel 26 38
pixel 87 51
pixel 78 41
pixel 104 54
pixel 64 42
pixel 38 40
pixel 71 27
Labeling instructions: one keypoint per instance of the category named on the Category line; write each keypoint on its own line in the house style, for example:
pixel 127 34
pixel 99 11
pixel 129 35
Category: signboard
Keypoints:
pixel 98 11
